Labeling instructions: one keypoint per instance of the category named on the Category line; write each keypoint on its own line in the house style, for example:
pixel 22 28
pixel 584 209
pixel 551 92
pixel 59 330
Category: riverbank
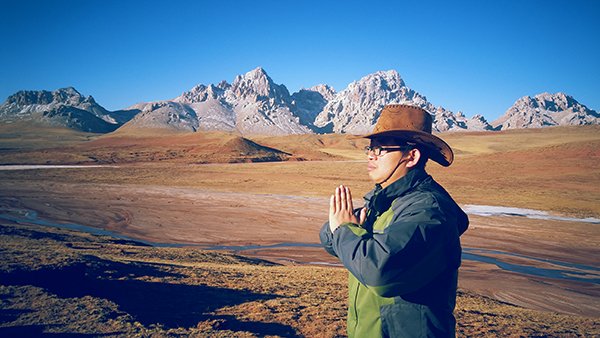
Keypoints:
pixel 514 259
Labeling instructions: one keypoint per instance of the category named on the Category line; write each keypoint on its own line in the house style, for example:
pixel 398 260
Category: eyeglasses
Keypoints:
pixel 380 151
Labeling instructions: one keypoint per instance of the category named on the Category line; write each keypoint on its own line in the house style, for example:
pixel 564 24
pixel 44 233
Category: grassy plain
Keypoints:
pixel 556 169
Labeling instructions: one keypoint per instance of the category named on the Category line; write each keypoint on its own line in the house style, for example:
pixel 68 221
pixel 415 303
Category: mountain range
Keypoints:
pixel 254 104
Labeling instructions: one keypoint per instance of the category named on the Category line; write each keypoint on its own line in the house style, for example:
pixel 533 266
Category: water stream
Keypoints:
pixel 564 270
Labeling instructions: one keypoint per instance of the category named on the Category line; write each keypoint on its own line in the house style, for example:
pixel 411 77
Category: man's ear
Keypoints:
pixel 414 155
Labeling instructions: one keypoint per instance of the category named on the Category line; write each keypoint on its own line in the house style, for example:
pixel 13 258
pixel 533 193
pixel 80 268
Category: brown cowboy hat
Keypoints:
pixel 412 124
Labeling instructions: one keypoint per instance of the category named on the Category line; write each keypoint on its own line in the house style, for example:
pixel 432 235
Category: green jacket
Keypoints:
pixel 403 261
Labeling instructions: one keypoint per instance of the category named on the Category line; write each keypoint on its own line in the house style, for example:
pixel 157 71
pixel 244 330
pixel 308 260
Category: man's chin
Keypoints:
pixel 374 178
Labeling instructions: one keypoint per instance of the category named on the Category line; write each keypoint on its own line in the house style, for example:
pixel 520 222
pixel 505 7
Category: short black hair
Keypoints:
pixel 424 156
pixel 408 145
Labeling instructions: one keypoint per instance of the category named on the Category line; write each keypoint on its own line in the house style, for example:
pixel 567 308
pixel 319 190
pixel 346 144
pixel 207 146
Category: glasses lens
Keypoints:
pixel 376 150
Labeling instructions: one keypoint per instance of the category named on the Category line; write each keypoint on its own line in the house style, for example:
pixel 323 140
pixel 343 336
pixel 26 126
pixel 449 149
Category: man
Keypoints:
pixel 403 248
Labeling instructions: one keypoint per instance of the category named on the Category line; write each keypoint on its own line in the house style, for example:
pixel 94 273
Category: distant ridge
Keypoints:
pixel 255 105
pixel 356 109
pixel 64 107
pixel 544 110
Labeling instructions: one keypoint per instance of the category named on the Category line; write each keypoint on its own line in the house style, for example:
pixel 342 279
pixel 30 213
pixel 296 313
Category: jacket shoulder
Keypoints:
pixel 429 199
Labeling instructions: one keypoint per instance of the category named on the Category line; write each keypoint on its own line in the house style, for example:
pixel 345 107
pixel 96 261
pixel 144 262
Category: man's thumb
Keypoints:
pixel 363 215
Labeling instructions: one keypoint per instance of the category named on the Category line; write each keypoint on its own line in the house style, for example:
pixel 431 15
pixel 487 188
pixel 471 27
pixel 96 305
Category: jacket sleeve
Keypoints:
pixel 407 255
pixel 326 236
pixel 327 239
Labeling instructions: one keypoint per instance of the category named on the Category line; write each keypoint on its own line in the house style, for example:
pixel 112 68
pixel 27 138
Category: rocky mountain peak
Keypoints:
pixel 383 80
pixel 307 103
pixel 223 85
pixel 69 96
pixel 43 97
pixel 546 109
pixel 68 91
pixel 547 101
pixel 356 108
pixel 256 85
pixel 555 102
pixel 62 107
pixel 325 90
pixel 201 93
pixel 257 73
pixel 26 97
pixel 252 104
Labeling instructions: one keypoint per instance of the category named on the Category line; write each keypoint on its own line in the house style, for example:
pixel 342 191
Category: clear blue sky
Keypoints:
pixel 474 56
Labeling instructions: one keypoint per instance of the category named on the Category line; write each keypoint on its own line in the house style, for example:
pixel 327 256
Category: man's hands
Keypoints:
pixel 340 209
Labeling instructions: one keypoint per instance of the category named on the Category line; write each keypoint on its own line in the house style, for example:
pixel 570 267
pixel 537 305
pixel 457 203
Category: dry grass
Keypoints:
pixel 29 136
pixel 477 143
pixel 549 180
pixel 55 281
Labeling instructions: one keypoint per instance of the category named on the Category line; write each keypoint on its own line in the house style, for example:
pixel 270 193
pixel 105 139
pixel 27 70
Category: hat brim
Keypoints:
pixel 439 151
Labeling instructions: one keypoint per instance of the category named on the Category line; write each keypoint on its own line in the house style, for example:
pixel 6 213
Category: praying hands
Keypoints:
pixel 341 209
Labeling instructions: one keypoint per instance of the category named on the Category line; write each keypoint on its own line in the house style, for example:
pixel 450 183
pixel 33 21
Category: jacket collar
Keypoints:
pixel 380 200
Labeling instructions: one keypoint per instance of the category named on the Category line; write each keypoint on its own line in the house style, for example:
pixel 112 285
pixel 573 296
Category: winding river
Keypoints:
pixel 562 271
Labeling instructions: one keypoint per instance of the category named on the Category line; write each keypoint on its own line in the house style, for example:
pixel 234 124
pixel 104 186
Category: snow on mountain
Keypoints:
pixel 64 107
pixel 544 110
pixel 356 109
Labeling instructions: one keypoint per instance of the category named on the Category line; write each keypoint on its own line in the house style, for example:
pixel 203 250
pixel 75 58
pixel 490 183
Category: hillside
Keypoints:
pixel 148 145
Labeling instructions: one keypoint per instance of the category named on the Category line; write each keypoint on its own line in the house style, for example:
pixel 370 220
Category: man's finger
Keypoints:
pixel 337 199
pixel 343 197
pixel 331 205
pixel 363 215
pixel 349 200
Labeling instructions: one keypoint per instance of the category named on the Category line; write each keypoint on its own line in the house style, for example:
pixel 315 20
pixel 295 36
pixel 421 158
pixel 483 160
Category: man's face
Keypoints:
pixel 381 167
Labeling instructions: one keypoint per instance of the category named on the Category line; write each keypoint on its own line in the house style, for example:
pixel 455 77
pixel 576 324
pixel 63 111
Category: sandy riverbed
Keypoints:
pixel 209 218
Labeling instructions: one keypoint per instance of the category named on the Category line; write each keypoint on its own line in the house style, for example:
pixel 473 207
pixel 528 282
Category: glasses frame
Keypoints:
pixel 380 151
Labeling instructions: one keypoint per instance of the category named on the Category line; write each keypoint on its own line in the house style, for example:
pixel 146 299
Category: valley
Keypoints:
pixel 211 191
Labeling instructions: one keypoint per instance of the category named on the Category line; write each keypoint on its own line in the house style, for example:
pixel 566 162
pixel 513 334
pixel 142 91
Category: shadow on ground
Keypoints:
pixel 166 304
pixel 39 331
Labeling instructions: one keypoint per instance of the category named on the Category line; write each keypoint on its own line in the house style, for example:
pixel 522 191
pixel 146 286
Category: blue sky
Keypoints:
pixel 472 56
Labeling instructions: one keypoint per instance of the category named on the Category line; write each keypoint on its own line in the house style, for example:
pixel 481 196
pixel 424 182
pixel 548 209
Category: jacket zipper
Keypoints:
pixel 355 305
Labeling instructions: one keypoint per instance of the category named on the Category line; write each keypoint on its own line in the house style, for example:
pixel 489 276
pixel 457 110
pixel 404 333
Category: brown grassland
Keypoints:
pixel 222 189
